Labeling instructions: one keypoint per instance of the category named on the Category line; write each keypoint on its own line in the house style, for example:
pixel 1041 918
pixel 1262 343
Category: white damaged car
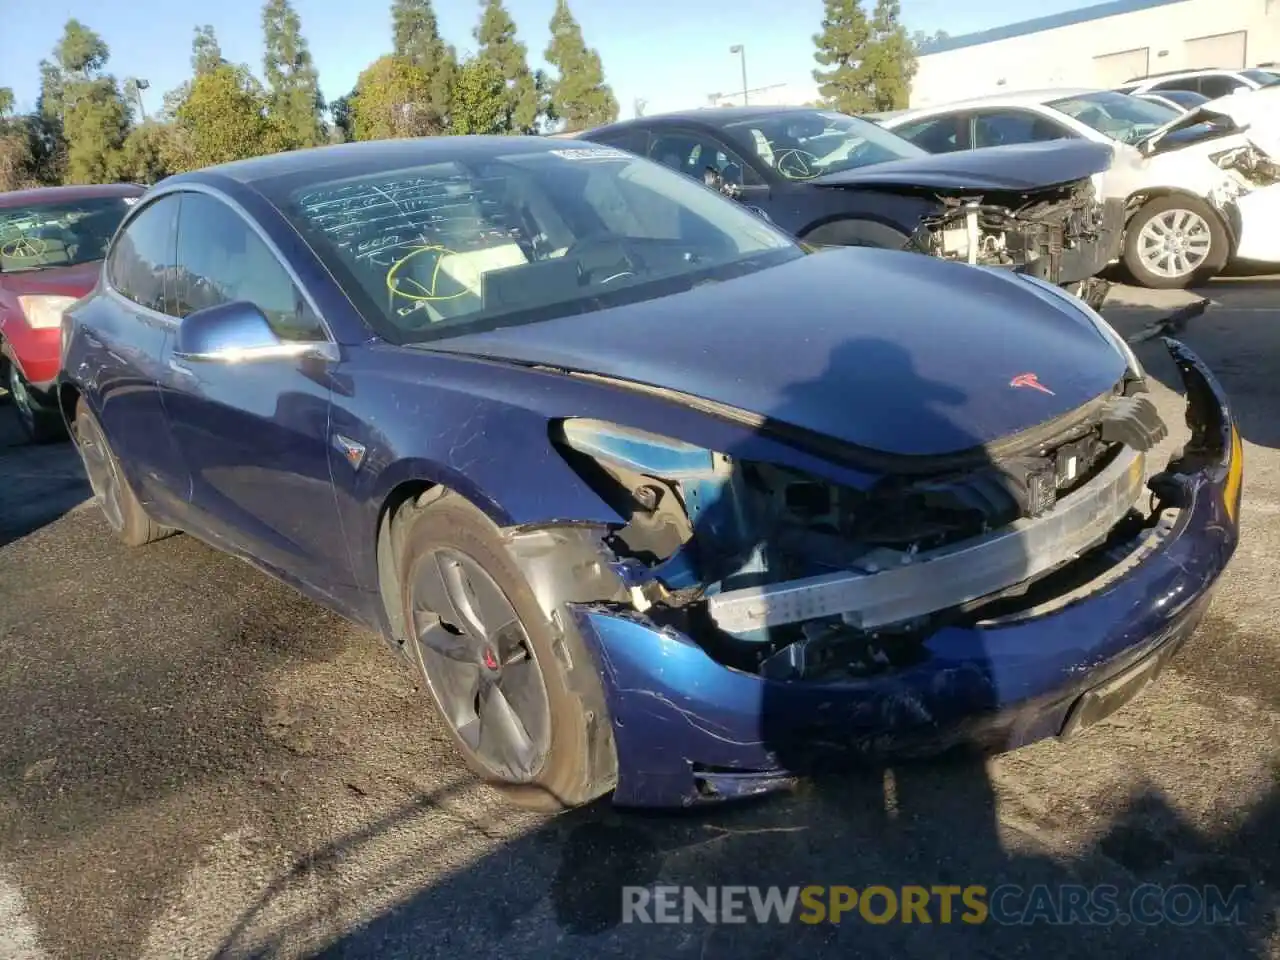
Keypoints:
pixel 1199 191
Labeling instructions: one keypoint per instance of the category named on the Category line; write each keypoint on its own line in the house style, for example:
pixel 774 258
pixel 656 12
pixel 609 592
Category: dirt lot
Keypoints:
pixel 196 762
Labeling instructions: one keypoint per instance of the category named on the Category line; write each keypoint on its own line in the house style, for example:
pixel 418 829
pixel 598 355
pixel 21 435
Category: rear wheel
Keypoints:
pixel 1172 242
pixel 120 508
pixel 508 684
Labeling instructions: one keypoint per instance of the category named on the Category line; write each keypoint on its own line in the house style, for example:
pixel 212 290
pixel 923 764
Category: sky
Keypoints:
pixel 673 54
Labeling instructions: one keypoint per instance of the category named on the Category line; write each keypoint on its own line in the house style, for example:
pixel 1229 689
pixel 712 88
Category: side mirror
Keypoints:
pixel 234 332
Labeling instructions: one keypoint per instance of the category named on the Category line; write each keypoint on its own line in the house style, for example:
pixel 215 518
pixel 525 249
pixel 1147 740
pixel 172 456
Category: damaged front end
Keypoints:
pixel 1250 166
pixel 1062 235
pixel 746 615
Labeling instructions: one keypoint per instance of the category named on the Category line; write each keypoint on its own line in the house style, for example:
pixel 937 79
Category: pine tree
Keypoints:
pixel 496 34
pixel 842 47
pixel 579 96
pixel 295 101
pixel 206 54
pixel 890 59
pixel 94 116
pixel 416 38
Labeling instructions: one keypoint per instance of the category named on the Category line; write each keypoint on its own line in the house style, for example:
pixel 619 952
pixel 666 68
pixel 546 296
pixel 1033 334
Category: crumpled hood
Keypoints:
pixel 887 351
pixel 1215 112
pixel 1017 167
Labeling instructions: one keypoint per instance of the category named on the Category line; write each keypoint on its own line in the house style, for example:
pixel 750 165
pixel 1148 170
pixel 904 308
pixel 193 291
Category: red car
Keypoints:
pixel 52 241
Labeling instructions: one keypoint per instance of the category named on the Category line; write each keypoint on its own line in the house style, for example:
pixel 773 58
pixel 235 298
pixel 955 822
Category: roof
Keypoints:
pixel 707 116
pixel 1013 98
pixel 369 155
pixel 1100 11
pixel 22 198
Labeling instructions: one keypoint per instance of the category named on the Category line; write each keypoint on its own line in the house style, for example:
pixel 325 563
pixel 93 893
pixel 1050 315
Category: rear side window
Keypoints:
pixel 994 128
pixel 1218 85
pixel 142 257
pixel 936 134
pixel 221 259
pixel 633 141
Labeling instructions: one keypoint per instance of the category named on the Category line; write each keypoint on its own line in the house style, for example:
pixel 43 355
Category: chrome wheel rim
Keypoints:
pixel 100 465
pixel 1175 243
pixel 480 666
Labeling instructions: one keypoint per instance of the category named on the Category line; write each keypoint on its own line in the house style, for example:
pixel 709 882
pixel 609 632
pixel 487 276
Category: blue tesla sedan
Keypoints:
pixel 659 501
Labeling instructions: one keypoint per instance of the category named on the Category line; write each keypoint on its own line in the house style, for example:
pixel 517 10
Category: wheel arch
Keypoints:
pixel 859 227
pixel 1140 198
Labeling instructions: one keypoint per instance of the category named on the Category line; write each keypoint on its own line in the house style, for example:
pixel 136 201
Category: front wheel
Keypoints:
pixel 40 422
pixel 1172 242
pixel 520 697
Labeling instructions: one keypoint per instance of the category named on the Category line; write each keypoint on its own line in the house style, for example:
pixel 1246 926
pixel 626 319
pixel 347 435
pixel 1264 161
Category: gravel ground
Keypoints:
pixel 197 762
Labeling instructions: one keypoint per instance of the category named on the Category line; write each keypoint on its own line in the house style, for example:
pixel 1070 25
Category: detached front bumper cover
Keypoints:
pixel 689 729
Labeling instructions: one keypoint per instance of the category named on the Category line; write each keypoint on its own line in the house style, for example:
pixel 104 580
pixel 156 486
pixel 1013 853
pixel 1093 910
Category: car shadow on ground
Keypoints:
pixel 38 483
pixel 558 890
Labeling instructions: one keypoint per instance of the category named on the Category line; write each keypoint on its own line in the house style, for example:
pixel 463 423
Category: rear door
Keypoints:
pixel 1011 125
pixel 255 433
pixel 127 331
pixel 941 133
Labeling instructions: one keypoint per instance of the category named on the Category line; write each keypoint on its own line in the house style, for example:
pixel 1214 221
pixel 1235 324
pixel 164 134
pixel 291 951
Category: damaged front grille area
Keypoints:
pixel 1015 230
pixel 770 569
pixel 1250 164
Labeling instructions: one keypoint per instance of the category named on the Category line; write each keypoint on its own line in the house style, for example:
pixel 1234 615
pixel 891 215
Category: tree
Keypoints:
pixel 206 54
pixel 393 99
pixel 295 100
pixel 149 151
pixel 416 36
pixel 225 118
pixel 579 95
pixel 481 98
pixel 841 48
pixel 496 34
pixel 6 102
pixel 94 118
pixel 889 63
pixel 920 39
pixel 340 109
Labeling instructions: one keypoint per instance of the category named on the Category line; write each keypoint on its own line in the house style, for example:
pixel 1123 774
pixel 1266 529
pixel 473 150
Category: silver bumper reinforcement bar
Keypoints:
pixel 900 587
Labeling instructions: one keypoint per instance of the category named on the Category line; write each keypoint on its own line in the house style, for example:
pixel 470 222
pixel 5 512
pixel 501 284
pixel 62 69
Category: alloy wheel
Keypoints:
pixel 479 663
pixel 1175 243
pixel 21 398
pixel 100 465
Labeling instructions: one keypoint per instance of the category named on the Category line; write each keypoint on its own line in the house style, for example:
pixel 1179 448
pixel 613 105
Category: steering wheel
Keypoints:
pixel 23 248
pixel 603 243
pixel 796 164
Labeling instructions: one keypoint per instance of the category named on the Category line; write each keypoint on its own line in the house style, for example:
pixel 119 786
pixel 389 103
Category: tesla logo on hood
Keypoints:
pixel 1030 380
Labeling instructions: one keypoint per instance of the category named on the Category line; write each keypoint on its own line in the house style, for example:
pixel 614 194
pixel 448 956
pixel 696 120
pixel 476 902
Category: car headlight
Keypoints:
pixel 1105 329
pixel 44 311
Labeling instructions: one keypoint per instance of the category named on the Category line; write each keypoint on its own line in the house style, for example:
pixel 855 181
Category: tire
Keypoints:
pixel 1157 218
pixel 40 422
pixel 570 760
pixel 856 233
pixel 121 509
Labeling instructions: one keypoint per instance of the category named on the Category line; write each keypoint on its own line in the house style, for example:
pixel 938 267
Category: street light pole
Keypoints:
pixel 741 51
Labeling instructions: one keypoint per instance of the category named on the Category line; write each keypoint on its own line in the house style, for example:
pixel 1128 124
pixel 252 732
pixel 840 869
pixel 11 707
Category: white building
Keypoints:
pixel 1100 46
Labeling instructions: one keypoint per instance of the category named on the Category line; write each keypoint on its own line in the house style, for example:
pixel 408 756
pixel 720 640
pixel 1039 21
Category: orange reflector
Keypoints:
pixel 1235 476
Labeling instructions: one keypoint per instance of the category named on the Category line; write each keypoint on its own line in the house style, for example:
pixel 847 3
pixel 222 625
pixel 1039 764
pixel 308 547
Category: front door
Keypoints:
pixel 255 434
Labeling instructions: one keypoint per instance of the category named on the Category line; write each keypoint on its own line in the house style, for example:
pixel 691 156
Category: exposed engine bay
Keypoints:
pixel 790 576
pixel 1250 165
pixel 1022 231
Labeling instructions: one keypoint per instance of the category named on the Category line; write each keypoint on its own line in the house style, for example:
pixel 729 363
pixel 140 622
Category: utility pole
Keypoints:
pixel 741 51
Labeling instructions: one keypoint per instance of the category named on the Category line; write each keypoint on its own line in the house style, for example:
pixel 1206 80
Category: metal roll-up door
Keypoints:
pixel 1112 69
pixel 1226 51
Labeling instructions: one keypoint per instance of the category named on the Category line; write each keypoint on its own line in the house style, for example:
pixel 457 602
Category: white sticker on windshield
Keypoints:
pixel 130 201
pixel 592 153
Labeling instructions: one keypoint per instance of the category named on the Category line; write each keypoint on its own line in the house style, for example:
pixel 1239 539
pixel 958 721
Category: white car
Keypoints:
pixel 1208 81
pixel 1198 191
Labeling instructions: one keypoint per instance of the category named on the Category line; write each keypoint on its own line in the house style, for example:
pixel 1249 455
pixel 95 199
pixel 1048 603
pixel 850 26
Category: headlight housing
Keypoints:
pixel 1107 331
pixel 44 311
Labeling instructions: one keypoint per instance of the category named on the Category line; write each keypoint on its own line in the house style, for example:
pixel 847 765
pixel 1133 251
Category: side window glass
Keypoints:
pixel 633 141
pixel 692 153
pixel 221 259
pixel 1219 86
pixel 996 128
pixel 141 259
pixel 1184 83
pixel 936 135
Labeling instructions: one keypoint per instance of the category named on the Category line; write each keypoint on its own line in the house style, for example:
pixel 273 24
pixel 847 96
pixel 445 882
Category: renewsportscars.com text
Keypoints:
pixel 1008 904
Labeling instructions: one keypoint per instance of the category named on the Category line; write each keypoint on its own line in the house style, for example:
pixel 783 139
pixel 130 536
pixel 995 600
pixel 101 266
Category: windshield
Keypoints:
pixel 1264 78
pixel 481 242
pixel 803 144
pixel 47 235
pixel 1120 117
